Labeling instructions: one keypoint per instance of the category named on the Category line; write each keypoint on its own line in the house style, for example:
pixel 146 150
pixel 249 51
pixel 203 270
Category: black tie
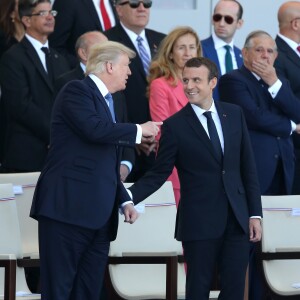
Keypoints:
pixel 48 62
pixel 213 134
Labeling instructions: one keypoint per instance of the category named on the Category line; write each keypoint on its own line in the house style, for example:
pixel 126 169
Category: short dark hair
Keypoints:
pixel 197 62
pixel 26 7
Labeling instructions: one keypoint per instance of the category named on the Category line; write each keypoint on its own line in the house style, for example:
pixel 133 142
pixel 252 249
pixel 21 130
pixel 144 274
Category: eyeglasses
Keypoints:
pixel 45 13
pixel 228 19
pixel 136 3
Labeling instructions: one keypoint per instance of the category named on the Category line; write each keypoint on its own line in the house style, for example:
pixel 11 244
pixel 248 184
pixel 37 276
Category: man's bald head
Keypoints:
pixel 86 41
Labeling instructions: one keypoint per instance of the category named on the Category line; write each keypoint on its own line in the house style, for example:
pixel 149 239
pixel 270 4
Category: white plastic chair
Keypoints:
pixel 280 245
pixel 139 254
pixel 12 278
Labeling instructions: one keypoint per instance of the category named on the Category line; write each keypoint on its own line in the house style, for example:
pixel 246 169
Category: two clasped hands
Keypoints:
pixel 149 132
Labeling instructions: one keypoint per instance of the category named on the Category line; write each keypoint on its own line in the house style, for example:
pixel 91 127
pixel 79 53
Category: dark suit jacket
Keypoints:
pixel 210 52
pixel 74 18
pixel 80 183
pixel 119 105
pixel 203 179
pixel 27 95
pixel 268 122
pixel 135 92
pixel 288 65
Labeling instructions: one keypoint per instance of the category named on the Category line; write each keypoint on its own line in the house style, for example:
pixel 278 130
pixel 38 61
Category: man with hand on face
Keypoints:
pixel 219 47
pixel 220 206
pixel 272 114
pixel 79 192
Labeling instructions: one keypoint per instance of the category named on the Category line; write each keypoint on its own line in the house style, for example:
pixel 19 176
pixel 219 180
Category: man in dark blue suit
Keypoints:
pixel 134 17
pixel 227 18
pixel 76 17
pixel 82 47
pixel 288 63
pixel 79 191
pixel 220 207
pixel 272 114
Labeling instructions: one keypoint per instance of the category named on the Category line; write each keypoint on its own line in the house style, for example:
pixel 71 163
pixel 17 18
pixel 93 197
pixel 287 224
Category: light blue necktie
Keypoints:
pixel 143 54
pixel 110 101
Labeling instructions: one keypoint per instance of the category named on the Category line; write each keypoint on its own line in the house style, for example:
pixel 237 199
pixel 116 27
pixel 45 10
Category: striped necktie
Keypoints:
pixel 106 20
pixel 143 54
pixel 110 101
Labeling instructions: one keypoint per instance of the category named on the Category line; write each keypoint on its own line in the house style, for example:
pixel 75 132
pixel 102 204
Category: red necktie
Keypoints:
pixel 104 14
pixel 298 48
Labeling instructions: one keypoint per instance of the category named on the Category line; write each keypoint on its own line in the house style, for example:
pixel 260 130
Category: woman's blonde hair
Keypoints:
pixel 163 65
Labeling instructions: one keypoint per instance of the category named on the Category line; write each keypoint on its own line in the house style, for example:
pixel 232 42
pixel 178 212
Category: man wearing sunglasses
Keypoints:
pixel 219 47
pixel 134 17
pixel 27 75
pixel 77 17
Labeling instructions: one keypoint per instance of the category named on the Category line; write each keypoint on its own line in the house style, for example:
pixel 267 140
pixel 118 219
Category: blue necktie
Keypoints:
pixel 110 101
pixel 143 54
pixel 228 59
pixel 213 135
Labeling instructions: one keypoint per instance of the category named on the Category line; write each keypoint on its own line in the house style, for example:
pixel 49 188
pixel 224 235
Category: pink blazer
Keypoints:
pixel 164 101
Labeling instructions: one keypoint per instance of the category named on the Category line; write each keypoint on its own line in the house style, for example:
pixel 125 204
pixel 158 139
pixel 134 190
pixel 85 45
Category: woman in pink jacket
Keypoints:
pixel 165 90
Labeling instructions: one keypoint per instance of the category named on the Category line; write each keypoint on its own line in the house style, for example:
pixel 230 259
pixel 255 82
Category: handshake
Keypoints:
pixel 149 131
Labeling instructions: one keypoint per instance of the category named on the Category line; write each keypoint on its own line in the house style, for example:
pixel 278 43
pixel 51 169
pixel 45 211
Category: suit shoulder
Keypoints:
pixel 155 33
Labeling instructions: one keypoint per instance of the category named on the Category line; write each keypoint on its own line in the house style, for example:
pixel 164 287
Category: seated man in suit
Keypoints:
pixel 272 114
pixel 79 192
pixel 288 63
pixel 82 48
pixel 75 17
pixel 219 47
pixel 132 32
pixel 27 74
pixel 220 207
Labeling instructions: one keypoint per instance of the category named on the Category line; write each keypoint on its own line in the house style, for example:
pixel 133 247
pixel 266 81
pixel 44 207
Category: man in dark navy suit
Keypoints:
pixel 220 207
pixel 27 82
pixel 272 114
pixel 82 47
pixel 76 17
pixel 288 63
pixel 79 192
pixel 134 17
pixel 227 18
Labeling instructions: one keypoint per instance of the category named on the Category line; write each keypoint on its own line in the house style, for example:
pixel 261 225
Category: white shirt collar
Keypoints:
pixel 37 45
pixel 290 42
pixel 220 43
pixel 100 84
pixel 200 111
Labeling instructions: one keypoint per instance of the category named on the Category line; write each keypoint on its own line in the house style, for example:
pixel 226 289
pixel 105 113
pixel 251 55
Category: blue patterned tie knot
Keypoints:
pixel 110 101
pixel 143 54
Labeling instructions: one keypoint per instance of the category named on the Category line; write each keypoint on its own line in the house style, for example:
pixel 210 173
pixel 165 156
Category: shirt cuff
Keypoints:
pixel 128 164
pixel 255 217
pixel 139 134
pixel 274 89
pixel 294 126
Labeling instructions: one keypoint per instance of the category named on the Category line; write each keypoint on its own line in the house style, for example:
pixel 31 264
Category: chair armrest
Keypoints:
pixel 154 254
pixel 288 249
pixel 9 263
pixel 28 262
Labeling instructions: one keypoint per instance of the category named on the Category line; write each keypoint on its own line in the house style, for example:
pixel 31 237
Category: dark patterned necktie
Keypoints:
pixel 213 135
pixel 48 62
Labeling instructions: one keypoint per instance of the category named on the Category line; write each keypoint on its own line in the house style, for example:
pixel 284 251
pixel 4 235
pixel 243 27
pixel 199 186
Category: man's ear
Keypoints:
pixel 82 55
pixel 26 21
pixel 213 82
pixel 240 23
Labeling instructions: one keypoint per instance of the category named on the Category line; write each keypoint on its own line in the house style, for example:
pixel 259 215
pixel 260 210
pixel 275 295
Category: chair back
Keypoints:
pixel 152 234
pixel 281 239
pixel 24 185
pixel 10 241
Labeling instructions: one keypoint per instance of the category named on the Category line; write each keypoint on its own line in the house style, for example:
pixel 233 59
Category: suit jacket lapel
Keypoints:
pixel 199 130
pixel 33 56
pixel 213 54
pixel 90 8
pixel 102 101
pixel 151 42
pixel 238 56
pixel 287 51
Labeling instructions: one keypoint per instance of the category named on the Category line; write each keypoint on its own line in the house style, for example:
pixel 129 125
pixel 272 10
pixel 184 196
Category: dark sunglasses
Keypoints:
pixel 136 4
pixel 228 19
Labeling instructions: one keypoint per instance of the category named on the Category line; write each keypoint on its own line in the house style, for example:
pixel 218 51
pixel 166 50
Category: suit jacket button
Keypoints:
pixel 276 156
pixel 223 172
pixel 278 138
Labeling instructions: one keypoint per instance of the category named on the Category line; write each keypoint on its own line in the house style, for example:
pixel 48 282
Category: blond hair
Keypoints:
pixel 104 52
